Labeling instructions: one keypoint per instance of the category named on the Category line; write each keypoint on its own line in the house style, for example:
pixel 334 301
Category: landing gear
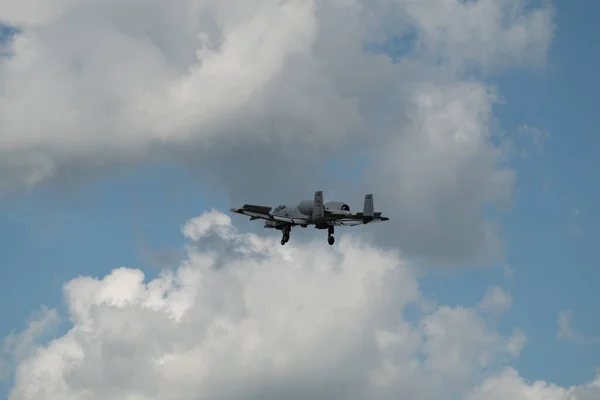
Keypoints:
pixel 330 238
pixel 286 235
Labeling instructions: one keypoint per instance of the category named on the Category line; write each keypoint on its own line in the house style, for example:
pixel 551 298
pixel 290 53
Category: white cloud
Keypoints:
pixel 275 89
pixel 445 169
pixel 536 136
pixel 517 342
pixel 243 89
pixel 496 299
pixel 509 385
pixel 16 347
pixel 567 332
pixel 258 320
pixel 485 34
pixel 564 327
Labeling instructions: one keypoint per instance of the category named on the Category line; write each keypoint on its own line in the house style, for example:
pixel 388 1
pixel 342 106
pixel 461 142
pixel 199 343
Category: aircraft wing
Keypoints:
pixel 263 212
pixel 359 219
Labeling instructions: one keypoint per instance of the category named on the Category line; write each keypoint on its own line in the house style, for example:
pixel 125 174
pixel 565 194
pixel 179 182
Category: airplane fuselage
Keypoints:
pixel 312 212
pixel 304 211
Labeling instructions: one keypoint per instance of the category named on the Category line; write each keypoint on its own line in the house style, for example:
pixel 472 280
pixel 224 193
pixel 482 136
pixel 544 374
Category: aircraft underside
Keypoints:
pixel 286 231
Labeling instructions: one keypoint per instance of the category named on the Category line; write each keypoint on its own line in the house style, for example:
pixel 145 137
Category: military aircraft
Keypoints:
pixel 312 212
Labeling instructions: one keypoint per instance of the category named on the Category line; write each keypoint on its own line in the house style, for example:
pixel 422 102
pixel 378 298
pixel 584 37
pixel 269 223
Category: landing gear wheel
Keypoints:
pixel 286 236
pixel 330 238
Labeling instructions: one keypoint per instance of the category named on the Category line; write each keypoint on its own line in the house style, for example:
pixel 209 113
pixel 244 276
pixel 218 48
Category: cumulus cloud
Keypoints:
pixel 251 319
pixel 484 34
pixel 277 89
pixel 509 385
pixel 567 332
pixel 442 170
pixel 18 346
pixel 496 299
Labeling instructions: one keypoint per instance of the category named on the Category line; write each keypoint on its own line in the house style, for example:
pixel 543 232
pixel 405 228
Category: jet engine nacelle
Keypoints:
pixel 306 207
pixel 336 206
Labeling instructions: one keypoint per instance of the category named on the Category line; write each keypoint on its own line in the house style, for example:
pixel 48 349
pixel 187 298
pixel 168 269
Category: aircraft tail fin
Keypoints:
pixel 318 211
pixel 369 208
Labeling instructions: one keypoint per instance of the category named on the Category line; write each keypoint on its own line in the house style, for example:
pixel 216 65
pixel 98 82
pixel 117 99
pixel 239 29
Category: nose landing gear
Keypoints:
pixel 286 235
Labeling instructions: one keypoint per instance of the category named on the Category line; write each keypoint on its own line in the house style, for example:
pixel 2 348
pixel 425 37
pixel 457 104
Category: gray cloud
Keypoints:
pixel 256 97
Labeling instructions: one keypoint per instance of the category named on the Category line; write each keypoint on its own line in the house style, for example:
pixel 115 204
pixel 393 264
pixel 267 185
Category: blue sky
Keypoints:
pixel 551 250
pixel 550 232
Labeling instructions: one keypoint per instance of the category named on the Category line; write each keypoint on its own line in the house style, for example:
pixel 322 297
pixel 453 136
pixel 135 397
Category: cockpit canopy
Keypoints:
pixel 278 208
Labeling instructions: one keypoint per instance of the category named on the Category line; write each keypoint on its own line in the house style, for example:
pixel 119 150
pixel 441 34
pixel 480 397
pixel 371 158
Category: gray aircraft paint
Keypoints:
pixel 312 212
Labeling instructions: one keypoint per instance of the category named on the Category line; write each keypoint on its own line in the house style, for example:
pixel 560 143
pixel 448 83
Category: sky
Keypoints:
pixel 127 131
